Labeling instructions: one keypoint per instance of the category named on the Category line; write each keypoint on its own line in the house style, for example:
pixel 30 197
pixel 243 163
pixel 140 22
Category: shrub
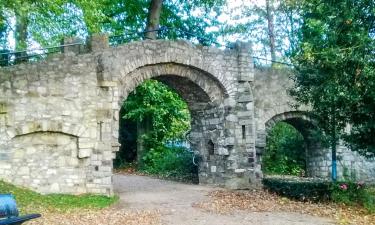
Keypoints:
pixel 170 162
pixel 349 193
pixel 353 193
pixel 304 190
pixel 284 151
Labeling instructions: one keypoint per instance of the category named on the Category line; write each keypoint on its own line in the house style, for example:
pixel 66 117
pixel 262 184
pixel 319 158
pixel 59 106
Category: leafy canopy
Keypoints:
pixel 335 61
pixel 169 114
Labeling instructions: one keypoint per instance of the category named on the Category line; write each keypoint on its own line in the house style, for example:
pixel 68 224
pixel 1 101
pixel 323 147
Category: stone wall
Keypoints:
pixel 273 104
pixel 59 117
pixel 49 132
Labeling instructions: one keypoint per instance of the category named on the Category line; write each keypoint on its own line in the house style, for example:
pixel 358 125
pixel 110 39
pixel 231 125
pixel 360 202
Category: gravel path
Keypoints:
pixel 174 201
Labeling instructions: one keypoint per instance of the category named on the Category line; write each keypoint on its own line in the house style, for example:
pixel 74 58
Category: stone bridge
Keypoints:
pixel 59 118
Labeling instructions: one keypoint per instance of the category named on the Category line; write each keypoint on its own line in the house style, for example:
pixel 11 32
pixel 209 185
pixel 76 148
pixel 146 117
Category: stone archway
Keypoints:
pixel 204 95
pixel 80 95
pixel 313 149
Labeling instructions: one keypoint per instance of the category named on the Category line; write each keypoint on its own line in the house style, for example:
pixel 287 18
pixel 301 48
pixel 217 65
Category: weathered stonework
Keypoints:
pixel 273 104
pixel 59 118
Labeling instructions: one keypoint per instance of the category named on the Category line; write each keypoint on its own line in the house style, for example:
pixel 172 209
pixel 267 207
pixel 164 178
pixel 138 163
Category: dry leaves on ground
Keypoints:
pixel 100 217
pixel 224 202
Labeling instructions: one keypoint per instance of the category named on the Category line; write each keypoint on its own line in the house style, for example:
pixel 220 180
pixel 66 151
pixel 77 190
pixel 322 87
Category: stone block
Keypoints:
pixel 237 183
pixel 84 152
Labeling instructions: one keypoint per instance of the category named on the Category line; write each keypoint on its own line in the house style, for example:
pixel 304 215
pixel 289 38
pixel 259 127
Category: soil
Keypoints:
pixel 176 204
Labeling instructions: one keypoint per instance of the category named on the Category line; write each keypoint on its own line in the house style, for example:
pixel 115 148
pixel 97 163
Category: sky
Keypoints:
pixel 231 10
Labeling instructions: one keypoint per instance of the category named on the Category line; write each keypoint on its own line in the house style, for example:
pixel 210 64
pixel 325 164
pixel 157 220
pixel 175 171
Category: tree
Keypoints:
pixel 153 19
pixel 160 115
pixel 271 29
pixel 130 18
pixel 270 25
pixel 168 112
pixel 46 22
pixel 335 65
pixel 285 151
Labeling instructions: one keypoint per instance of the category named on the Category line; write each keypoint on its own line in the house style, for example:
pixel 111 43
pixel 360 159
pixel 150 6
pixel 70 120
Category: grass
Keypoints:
pixel 31 202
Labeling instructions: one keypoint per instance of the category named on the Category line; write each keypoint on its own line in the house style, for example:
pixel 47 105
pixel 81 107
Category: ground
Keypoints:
pixel 179 204
pixel 151 201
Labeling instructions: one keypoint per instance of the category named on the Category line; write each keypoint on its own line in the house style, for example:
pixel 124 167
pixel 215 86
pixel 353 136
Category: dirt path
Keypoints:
pixel 174 202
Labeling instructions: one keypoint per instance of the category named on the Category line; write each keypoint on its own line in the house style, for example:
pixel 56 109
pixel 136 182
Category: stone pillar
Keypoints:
pixel 246 172
pixel 98 42
pixel 72 45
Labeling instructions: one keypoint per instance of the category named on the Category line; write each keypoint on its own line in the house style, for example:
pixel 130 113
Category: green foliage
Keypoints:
pixel 48 21
pixel 251 25
pixel 169 114
pixel 126 17
pixel 171 162
pixel 170 119
pixel 351 193
pixel 285 151
pixel 29 201
pixel 335 62
pixel 303 190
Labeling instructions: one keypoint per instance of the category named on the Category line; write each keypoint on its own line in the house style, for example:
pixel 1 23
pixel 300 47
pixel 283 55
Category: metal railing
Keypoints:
pixel 257 62
pixel 8 58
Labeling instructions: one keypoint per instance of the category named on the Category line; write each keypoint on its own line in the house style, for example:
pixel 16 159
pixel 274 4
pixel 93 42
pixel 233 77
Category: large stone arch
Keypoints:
pixel 121 61
pixel 204 86
pixel 204 95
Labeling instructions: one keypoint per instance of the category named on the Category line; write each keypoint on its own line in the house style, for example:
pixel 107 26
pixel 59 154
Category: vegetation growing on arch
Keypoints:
pixel 285 151
pixel 155 103
pixel 335 65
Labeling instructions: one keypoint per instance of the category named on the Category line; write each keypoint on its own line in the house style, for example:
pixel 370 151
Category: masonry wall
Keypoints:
pixel 49 131
pixel 225 76
pixel 59 117
pixel 273 104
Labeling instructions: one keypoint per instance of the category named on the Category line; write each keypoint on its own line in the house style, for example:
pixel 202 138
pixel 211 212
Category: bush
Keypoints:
pixel 171 162
pixel 284 154
pixel 351 193
pixel 303 190
pixel 315 190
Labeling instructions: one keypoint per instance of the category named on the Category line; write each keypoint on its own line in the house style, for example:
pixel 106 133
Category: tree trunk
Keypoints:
pixel 20 34
pixel 271 29
pixel 153 20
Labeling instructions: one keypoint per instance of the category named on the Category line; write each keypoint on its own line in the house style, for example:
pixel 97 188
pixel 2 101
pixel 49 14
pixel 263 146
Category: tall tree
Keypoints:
pixel 271 25
pixel 271 28
pixel 153 19
pixel 335 62
pixel 187 19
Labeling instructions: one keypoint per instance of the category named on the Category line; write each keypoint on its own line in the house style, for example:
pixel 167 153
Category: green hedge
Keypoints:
pixel 315 190
pixel 303 190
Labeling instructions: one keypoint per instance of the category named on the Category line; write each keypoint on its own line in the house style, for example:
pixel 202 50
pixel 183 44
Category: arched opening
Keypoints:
pixel 199 92
pixel 285 152
pixel 154 120
pixel 294 146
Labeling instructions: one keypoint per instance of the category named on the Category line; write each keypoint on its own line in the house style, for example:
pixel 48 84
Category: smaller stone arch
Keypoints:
pixel 47 126
pixel 298 119
pixel 78 131
pixel 306 124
